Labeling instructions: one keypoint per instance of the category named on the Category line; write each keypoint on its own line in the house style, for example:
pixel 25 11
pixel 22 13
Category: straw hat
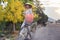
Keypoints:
pixel 29 4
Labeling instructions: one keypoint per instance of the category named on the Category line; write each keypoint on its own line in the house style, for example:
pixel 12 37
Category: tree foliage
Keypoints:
pixel 14 11
pixel 42 17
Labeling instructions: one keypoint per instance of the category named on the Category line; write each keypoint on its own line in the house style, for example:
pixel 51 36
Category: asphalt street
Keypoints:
pixel 50 32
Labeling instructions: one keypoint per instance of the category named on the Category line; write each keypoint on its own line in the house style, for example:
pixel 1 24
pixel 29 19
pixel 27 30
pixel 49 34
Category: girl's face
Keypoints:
pixel 27 6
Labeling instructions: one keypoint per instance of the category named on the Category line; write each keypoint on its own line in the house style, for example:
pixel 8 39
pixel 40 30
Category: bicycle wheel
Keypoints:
pixel 23 33
pixel 28 36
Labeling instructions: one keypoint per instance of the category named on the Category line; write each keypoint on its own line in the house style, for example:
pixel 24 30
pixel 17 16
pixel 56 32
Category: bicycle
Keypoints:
pixel 25 33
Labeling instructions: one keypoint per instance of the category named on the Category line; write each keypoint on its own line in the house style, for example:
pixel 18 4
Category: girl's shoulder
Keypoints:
pixel 28 11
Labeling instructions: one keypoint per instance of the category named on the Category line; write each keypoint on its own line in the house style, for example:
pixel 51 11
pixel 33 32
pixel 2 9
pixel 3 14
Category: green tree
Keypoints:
pixel 43 18
pixel 11 13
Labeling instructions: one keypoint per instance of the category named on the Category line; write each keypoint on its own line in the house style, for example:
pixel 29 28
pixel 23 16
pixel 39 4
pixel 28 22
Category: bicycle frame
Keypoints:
pixel 25 32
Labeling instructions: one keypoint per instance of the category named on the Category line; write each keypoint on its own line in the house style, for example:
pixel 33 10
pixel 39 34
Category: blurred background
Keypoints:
pixel 11 14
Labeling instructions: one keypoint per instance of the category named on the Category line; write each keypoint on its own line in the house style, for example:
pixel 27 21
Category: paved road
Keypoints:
pixel 51 32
